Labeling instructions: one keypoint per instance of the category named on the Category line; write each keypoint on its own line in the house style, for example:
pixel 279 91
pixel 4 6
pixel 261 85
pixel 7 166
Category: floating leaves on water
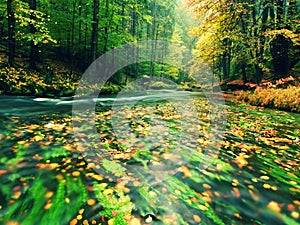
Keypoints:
pixel 206 186
pixel 75 173
pixel 267 186
pixel 186 171
pixel 241 161
pixel 295 215
pixel 236 192
pixel 91 202
pixel 203 207
pixel 257 157
pixel 197 219
pixel 274 206
pixel 264 177
pixel 3 172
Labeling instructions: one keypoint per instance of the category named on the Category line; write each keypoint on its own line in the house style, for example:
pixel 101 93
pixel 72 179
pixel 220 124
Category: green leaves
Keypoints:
pixel 116 205
pixel 23 17
pixel 113 167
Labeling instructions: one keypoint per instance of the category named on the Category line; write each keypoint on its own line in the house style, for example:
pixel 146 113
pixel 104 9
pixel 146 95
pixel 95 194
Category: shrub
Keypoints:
pixel 284 99
pixel 20 81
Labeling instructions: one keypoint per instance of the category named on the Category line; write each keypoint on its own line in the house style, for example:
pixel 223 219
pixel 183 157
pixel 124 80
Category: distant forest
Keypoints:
pixel 246 40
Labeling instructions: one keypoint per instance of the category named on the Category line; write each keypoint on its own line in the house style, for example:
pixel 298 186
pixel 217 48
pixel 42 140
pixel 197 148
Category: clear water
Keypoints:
pixel 167 157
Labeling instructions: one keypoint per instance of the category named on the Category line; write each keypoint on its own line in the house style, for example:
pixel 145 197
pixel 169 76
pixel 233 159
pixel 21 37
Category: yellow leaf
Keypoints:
pixel 75 173
pixel 274 206
pixel 49 194
pixel 91 202
pixel 240 161
pixel 111 222
pixel 264 178
pixel 295 215
pixel 267 186
pixel 108 191
pixel 134 221
pixel 203 207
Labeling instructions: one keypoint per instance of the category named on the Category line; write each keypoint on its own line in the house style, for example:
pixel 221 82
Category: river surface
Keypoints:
pixel 157 157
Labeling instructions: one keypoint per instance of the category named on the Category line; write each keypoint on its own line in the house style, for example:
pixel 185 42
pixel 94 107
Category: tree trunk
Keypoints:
pixel 153 32
pixel 279 50
pixel 11 34
pixel 86 54
pixel 105 48
pixel 134 26
pixel 80 22
pixel 33 46
pixel 72 51
pixel 226 58
pixel 94 44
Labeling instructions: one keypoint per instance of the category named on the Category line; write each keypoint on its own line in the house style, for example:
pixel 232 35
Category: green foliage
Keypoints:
pixel 67 25
pixel 181 190
pixel 161 85
pixel 116 205
pixel 54 152
pixel 23 17
pixel 110 89
pixel 113 167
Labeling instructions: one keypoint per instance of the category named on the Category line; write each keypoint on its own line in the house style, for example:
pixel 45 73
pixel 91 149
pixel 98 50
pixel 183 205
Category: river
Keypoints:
pixel 162 157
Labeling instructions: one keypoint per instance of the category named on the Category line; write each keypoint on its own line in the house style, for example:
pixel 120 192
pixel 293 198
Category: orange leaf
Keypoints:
pixel 274 206
pixel 197 218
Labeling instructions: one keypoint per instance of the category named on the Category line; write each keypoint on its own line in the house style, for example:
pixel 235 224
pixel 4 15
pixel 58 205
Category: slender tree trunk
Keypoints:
pixel 259 44
pixel 153 32
pixel 226 58
pixel 87 58
pixel 11 34
pixel 33 46
pixel 105 48
pixel 94 45
pixel 72 51
pixel 224 62
pixel 80 22
pixel 244 73
pixel 134 25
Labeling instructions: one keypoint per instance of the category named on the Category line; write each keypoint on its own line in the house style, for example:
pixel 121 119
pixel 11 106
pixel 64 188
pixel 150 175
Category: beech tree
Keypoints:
pixel 94 45
pixel 11 32
pixel 248 38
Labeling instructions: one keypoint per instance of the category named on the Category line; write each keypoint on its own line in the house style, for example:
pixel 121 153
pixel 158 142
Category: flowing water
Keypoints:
pixel 167 154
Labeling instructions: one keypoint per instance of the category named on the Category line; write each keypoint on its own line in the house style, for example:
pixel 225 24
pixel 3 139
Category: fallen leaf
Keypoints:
pixel 91 202
pixel 274 206
pixel 240 161
pixel 197 219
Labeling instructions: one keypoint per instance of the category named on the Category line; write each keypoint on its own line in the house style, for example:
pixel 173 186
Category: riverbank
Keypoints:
pixel 58 81
pixel 287 99
pixel 283 94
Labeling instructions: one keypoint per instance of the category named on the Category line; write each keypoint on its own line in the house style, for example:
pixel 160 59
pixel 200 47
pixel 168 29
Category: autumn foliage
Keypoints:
pixel 284 99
